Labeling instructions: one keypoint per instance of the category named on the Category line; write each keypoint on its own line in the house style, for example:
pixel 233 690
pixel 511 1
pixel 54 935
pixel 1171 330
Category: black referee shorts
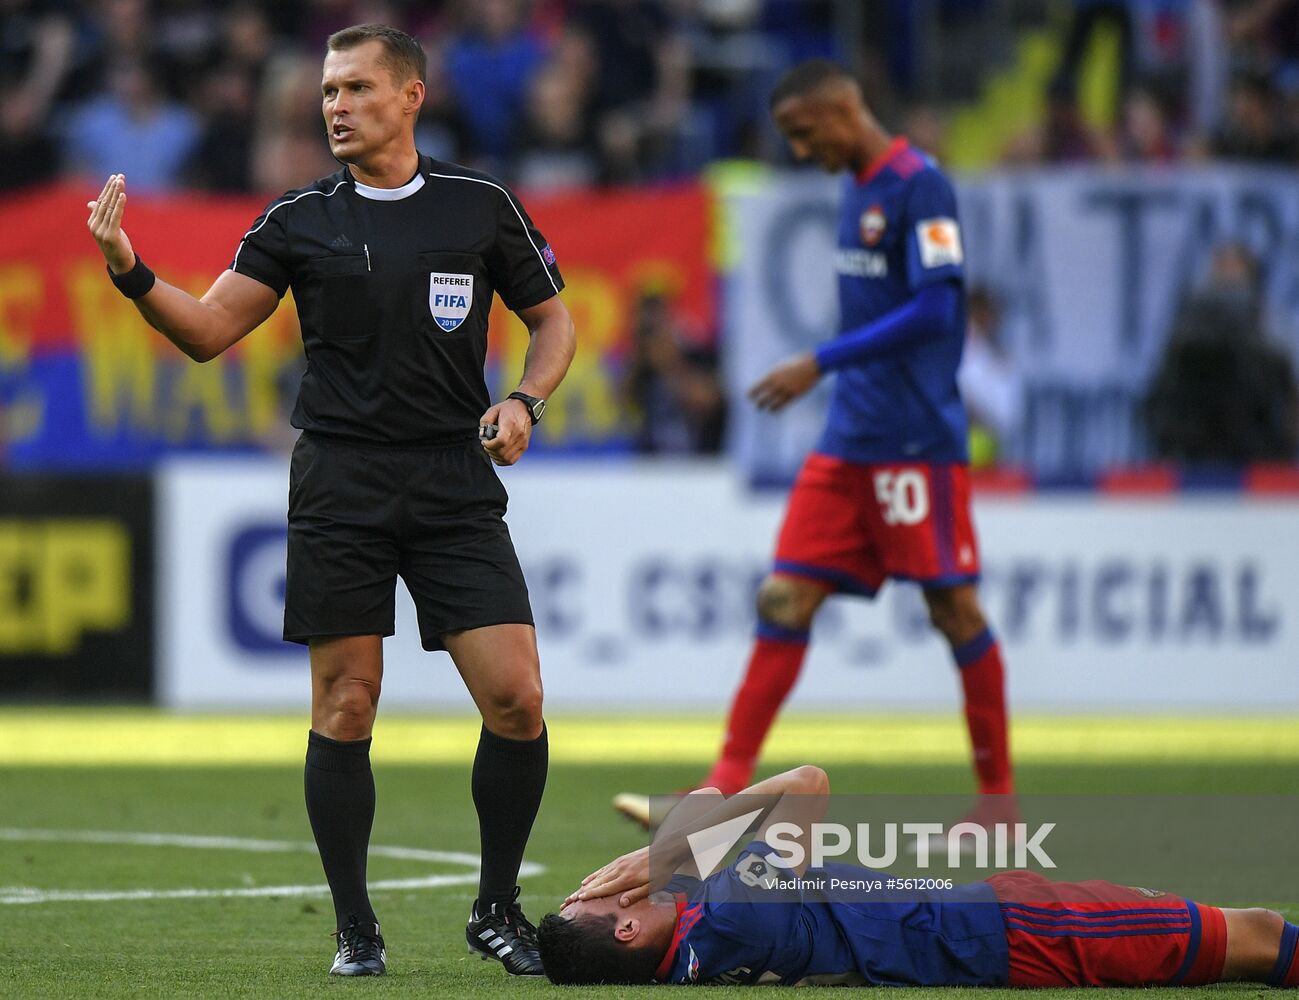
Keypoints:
pixel 361 514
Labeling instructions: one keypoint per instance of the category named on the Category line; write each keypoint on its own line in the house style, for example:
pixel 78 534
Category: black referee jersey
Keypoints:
pixel 393 288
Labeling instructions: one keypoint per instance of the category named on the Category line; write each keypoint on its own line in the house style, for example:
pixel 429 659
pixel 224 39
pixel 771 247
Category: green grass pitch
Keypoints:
pixel 165 915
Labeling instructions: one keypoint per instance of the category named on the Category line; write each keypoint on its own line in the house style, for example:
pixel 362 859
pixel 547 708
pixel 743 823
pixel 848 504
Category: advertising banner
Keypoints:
pixel 642 580
pixel 1089 267
pixel 84 382
pixel 76 587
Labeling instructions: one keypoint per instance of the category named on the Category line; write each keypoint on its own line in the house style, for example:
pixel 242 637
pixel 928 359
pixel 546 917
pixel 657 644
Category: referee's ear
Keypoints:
pixel 412 97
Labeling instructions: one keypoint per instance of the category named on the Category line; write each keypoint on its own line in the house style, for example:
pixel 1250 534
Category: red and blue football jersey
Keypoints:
pixel 898 233
pixel 747 925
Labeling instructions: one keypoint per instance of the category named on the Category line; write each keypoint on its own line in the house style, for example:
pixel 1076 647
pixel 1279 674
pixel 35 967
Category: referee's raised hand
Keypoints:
pixel 105 225
pixel 513 431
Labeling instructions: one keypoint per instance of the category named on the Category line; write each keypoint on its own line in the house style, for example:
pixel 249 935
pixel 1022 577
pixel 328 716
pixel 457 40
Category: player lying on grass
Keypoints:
pixel 757 922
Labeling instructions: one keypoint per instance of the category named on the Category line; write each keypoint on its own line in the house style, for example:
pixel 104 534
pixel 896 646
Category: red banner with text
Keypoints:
pixel 85 382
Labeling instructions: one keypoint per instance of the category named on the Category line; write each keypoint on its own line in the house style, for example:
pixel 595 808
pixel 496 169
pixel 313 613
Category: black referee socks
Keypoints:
pixel 509 777
pixel 340 804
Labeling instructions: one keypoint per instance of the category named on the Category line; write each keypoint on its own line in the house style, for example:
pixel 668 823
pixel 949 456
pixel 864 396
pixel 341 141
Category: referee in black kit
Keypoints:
pixel 393 261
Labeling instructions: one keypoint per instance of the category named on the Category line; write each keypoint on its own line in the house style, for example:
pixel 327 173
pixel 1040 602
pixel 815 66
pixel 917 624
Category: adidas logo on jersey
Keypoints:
pixel 340 242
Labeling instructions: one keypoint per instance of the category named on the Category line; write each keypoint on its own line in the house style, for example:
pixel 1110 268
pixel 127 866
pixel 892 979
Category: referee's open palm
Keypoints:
pixel 105 224
pixel 513 431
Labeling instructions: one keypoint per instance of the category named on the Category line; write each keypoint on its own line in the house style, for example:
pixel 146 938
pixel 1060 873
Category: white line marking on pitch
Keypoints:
pixel 14 895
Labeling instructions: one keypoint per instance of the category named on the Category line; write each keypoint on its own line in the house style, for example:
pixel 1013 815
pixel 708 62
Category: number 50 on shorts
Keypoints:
pixel 903 496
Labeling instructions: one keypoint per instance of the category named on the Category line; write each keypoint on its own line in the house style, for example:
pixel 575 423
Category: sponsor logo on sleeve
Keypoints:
pixel 450 297
pixel 548 255
pixel 752 870
pixel 940 242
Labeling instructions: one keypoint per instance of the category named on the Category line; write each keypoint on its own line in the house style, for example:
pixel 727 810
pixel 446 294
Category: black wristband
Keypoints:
pixel 135 282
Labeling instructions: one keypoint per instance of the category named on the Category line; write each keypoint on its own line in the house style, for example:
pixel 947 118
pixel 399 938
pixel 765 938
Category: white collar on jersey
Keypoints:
pixel 390 194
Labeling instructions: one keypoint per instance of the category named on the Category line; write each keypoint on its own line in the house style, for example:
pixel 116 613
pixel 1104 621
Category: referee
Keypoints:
pixel 393 261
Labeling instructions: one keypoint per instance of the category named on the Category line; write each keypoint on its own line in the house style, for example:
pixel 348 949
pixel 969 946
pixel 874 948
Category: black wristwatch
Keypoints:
pixel 535 404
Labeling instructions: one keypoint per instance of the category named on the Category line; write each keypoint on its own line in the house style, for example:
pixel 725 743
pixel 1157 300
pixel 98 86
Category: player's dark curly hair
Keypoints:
pixel 402 56
pixel 583 951
pixel 806 77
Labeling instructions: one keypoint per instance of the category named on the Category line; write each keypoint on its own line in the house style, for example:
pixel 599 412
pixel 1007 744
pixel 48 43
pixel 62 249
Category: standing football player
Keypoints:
pixel 886 492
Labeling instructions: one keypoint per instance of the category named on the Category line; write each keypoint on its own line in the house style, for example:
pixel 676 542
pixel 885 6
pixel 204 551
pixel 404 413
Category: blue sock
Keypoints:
pixel 1286 970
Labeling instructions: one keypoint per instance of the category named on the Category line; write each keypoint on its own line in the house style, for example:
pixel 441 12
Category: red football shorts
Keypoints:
pixel 1102 934
pixel 853 526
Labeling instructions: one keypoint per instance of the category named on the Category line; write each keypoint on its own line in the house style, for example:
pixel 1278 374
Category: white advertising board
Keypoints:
pixel 1089 265
pixel 642 577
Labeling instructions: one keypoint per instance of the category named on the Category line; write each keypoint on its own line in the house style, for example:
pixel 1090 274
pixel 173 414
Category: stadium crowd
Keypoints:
pixel 547 93
pixel 553 93
pixel 1195 79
